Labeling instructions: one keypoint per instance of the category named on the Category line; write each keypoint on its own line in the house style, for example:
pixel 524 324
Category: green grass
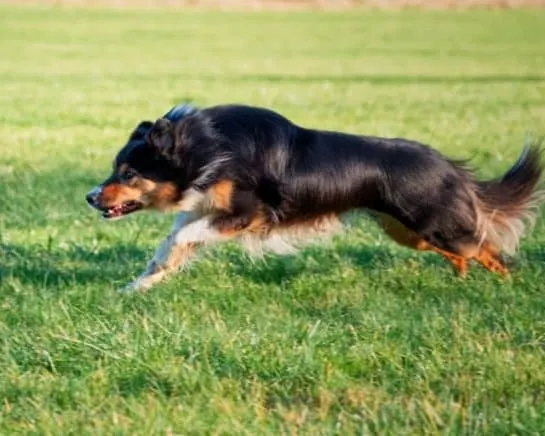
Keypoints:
pixel 358 336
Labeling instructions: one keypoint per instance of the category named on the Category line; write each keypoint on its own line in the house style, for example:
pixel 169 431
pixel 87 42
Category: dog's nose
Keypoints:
pixel 92 196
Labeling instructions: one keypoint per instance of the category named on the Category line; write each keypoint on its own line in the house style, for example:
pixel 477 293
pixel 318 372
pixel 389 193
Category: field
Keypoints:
pixel 356 336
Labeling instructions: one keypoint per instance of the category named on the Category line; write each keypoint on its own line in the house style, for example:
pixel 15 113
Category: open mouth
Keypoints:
pixel 122 209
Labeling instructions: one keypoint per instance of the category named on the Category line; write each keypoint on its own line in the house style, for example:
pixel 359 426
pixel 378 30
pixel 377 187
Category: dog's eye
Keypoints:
pixel 129 174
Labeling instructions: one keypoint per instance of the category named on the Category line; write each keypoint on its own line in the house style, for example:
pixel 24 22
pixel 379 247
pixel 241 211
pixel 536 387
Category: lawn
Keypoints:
pixel 354 336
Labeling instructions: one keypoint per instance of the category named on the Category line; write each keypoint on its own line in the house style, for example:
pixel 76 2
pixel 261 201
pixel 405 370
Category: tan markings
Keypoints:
pixel 229 232
pixel 181 254
pixel 160 196
pixel 230 229
pixel 403 236
pixel 165 192
pixel 163 196
pixel 491 261
pixel 399 233
pixel 174 258
pixel 221 195
pixel 115 194
pixel 259 224
pixel 144 185
pixel 308 226
pixel 459 263
pixel 287 238
pixel 110 193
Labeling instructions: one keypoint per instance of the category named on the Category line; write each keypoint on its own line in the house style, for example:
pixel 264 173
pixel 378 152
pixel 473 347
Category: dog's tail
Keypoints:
pixel 507 206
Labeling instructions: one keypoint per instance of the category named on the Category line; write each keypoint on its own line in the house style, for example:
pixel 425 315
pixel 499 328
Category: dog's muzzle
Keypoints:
pixel 93 195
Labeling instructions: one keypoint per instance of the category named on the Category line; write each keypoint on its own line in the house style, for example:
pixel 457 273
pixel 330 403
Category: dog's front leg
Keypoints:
pixel 189 232
pixel 169 257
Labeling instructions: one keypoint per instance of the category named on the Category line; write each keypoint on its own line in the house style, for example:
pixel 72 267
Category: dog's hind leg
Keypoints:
pixel 490 259
pixel 458 262
pixel 407 238
pixel 485 254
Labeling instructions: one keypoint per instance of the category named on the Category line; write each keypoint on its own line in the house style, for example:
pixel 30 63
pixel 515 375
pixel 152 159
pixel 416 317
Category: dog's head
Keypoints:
pixel 145 174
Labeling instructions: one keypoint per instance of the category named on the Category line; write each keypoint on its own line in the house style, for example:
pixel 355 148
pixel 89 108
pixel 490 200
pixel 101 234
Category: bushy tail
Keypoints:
pixel 507 206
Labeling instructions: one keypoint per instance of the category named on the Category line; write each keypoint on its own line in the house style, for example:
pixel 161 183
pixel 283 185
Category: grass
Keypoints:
pixel 359 336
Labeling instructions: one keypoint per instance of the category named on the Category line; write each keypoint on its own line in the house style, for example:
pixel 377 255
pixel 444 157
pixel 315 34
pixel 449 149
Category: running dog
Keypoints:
pixel 248 173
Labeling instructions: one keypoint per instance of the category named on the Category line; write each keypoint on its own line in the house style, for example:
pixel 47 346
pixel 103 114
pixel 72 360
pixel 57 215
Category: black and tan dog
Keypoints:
pixel 242 172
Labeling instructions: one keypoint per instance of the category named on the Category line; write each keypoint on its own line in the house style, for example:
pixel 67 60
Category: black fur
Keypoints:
pixel 292 174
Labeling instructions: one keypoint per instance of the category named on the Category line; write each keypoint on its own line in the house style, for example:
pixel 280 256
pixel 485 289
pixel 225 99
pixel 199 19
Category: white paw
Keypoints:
pixel 127 289
pixel 142 283
pixel 136 286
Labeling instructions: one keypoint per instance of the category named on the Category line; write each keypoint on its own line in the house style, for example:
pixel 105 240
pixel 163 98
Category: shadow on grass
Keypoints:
pixel 56 268
pixel 283 269
pixel 76 265
pixel 280 270
pixel 535 254
pixel 115 265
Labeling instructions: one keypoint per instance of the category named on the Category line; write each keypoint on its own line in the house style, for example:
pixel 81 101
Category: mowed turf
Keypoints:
pixel 357 336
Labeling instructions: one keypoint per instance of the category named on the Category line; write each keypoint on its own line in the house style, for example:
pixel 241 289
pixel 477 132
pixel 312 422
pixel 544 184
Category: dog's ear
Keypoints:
pixel 161 136
pixel 180 111
pixel 141 130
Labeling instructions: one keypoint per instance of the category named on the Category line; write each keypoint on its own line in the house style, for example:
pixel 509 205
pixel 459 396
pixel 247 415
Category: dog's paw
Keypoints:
pixel 143 283
pixel 129 288
pixel 132 287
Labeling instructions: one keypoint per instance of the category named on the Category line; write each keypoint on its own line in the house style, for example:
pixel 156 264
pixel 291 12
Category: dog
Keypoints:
pixel 248 173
